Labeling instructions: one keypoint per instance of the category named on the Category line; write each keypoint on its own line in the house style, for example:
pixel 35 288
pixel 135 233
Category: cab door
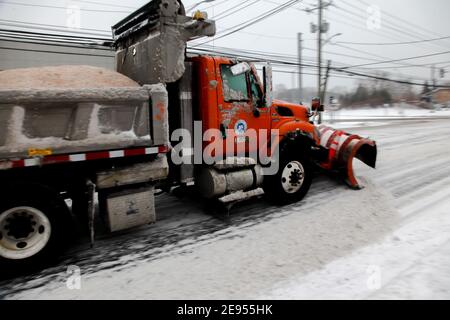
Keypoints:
pixel 242 111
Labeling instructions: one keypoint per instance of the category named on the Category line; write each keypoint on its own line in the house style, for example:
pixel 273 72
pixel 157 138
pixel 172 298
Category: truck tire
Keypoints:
pixel 32 227
pixel 293 179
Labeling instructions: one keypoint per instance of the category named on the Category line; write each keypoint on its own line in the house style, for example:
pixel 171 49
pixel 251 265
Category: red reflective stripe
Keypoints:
pixel 343 148
pixel 163 149
pixel 18 164
pixel 79 157
pixel 331 139
pixel 97 155
pixel 134 152
pixel 324 130
pixel 56 159
pixel 351 179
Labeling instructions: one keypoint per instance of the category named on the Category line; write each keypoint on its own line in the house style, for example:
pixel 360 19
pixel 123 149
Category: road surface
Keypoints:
pixel 388 241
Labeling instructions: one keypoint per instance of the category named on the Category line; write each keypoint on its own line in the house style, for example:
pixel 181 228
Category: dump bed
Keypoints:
pixel 74 109
pixel 151 42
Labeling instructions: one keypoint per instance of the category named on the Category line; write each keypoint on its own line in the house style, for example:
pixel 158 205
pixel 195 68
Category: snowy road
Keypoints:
pixel 390 240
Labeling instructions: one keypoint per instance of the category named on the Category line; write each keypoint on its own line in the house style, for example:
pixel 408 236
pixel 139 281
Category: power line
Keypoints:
pixel 386 79
pixel 274 60
pixel 372 54
pixel 406 22
pixel 40 38
pixel 316 74
pixel 53 29
pixel 353 49
pixel 346 22
pixel 427 65
pixel 391 25
pixel 253 21
pixel 52 42
pixel 342 21
pixel 391 43
pixel 217 4
pixel 58 7
pixel 269 36
pixel 340 70
pixel 401 65
pixel 238 8
pixel 105 4
pixel 53 35
pixel 403 59
pixel 291 58
pixel 56 52
pixel 63 44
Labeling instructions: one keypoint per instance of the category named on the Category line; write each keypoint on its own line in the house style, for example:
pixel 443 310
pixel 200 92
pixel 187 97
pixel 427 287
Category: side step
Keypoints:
pixel 234 198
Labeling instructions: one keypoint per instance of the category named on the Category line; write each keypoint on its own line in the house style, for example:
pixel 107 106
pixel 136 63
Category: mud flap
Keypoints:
pixel 342 149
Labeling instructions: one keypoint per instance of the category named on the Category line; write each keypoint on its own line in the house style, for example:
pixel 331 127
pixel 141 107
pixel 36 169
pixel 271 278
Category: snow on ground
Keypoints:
pixel 248 259
pixel 398 111
pixel 358 124
pixel 411 263
pixel 414 261
pixel 388 241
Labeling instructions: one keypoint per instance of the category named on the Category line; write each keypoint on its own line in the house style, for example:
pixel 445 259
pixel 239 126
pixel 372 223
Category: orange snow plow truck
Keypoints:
pixel 72 137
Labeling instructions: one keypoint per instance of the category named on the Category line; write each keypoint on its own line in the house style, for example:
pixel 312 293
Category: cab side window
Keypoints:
pixel 235 88
pixel 257 95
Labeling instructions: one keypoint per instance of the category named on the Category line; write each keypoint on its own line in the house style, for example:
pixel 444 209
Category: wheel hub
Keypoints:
pixel 20 225
pixel 296 177
pixel 293 177
pixel 24 232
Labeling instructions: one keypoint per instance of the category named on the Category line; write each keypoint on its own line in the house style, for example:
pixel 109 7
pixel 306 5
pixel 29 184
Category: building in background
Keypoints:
pixel 14 54
pixel 441 96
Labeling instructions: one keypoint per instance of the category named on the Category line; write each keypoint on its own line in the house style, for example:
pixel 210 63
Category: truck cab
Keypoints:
pixel 243 100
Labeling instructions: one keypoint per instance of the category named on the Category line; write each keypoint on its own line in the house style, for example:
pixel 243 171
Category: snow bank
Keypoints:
pixel 384 270
pixel 398 111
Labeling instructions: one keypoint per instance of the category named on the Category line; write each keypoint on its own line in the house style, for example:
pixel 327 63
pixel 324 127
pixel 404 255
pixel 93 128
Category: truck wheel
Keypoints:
pixel 292 182
pixel 31 228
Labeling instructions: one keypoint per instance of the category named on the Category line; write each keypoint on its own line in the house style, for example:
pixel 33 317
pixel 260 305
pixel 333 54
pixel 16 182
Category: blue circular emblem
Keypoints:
pixel 240 128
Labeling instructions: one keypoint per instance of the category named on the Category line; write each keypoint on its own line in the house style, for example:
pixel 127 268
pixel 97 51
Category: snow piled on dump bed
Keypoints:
pixel 238 264
pixel 18 142
pixel 66 76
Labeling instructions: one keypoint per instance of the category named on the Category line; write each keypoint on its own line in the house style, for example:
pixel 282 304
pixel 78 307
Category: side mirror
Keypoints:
pixel 317 106
pixel 268 91
pixel 240 68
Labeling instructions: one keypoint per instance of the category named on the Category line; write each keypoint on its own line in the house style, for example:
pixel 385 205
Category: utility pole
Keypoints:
pixel 300 69
pixel 319 55
pixel 320 28
pixel 325 85
pixel 319 49
pixel 433 76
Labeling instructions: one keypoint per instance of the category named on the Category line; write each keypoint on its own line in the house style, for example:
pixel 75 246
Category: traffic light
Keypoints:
pixel 443 72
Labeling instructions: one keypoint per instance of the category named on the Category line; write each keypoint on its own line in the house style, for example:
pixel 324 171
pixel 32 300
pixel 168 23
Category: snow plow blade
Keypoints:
pixel 342 148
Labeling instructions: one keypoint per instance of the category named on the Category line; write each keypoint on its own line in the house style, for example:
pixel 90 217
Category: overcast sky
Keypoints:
pixel 400 21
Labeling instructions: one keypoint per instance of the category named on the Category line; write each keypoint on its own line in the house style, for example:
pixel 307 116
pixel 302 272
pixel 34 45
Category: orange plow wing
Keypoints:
pixel 342 148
